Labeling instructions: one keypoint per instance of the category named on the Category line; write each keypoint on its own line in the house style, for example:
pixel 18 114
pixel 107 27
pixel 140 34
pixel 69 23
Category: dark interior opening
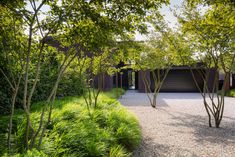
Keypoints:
pixel 127 79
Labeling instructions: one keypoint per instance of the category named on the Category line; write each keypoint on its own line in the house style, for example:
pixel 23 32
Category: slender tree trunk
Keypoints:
pixel 15 92
pixel 158 80
pixel 26 85
pixel 96 93
pixel 50 101
pixel 154 100
pixel 213 108
pixel 147 87
pixel 51 98
pixel 208 112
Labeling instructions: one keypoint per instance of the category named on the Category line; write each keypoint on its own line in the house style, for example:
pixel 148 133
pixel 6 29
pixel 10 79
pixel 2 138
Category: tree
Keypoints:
pixel 11 66
pixel 72 29
pixel 97 66
pixel 211 37
pixel 155 60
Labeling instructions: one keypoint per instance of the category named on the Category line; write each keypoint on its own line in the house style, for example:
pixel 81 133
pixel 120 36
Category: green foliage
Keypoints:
pixel 4 121
pixel 161 51
pixel 118 151
pixel 121 123
pixel 76 133
pixel 4 96
pixel 108 130
pixel 55 37
pixel 71 84
pixel 114 93
pixel 211 33
pixel 10 51
pixel 29 153
pixel 33 153
pixel 210 2
pixel 3 148
pixel 231 93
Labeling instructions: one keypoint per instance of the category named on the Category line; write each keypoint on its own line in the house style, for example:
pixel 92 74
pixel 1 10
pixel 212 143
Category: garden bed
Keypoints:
pixel 108 130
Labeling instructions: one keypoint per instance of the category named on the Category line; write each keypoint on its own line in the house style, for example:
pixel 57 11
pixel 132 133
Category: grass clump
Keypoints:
pixel 118 151
pixel 231 93
pixel 108 130
pixel 29 153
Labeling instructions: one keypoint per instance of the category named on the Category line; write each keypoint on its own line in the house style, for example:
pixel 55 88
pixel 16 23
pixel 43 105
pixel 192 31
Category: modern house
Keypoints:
pixel 179 79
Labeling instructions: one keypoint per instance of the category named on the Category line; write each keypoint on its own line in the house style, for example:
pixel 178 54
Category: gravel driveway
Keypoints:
pixel 179 126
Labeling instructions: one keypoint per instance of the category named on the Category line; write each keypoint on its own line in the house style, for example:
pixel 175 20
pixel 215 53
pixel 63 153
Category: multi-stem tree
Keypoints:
pixel 211 38
pixel 11 66
pixel 155 60
pixel 70 28
pixel 101 65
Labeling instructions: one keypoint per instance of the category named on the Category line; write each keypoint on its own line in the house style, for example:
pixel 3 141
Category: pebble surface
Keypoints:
pixel 178 127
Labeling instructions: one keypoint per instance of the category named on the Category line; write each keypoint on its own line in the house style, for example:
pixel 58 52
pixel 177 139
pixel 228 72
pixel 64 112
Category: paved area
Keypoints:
pixel 178 127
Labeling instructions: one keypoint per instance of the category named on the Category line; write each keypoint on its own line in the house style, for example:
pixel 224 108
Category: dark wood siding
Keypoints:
pixel 104 82
pixel 141 87
pixel 123 77
pixel 233 80
pixel 181 80
pixel 136 81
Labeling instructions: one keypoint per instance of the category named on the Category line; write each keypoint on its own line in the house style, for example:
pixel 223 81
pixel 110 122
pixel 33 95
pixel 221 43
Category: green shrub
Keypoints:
pixel 231 93
pixel 32 153
pixel 108 130
pixel 115 93
pixel 70 84
pixel 118 151
pixel 126 128
pixel 3 144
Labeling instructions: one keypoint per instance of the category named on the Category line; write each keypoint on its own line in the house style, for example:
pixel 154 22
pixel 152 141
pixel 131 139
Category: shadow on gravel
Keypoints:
pixel 140 99
pixel 191 96
pixel 149 148
pixel 202 132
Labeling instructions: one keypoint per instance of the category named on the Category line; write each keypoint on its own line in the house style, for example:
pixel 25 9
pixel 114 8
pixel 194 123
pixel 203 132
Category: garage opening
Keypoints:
pixel 181 80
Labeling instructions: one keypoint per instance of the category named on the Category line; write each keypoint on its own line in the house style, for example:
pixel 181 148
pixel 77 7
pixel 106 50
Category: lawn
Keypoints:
pixel 108 130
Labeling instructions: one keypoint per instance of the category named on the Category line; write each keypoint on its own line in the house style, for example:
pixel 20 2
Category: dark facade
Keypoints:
pixel 233 80
pixel 141 87
pixel 179 79
pixel 104 82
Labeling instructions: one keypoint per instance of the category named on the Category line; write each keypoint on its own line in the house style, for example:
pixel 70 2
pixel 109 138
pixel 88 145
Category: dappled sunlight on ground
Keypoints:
pixel 179 126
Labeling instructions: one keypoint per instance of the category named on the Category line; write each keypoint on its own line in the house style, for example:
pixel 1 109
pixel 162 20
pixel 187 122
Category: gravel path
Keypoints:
pixel 179 126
